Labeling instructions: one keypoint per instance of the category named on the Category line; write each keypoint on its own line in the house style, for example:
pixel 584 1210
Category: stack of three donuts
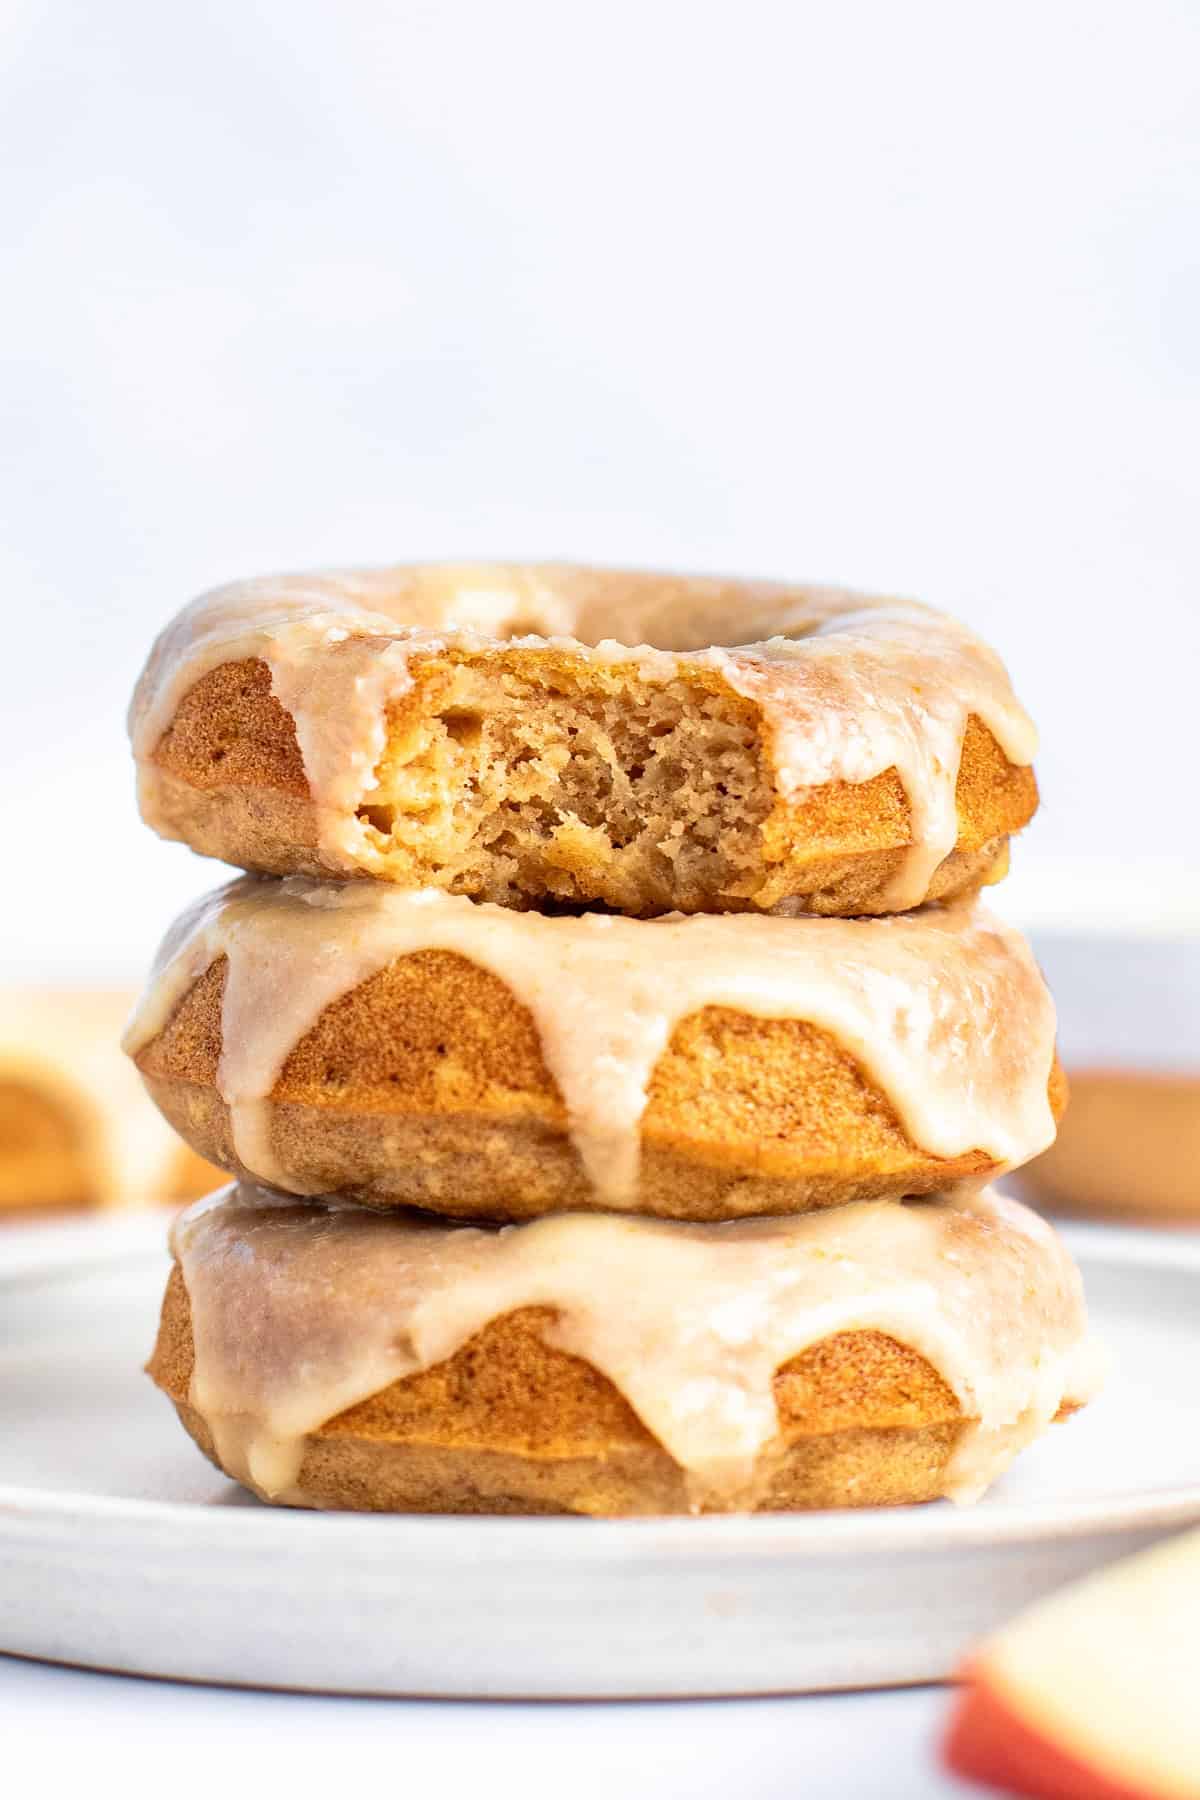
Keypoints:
pixel 677 1206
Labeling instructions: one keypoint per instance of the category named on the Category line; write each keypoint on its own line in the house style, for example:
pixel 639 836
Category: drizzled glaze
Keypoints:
pixel 848 686
pixel 945 1009
pixel 301 1311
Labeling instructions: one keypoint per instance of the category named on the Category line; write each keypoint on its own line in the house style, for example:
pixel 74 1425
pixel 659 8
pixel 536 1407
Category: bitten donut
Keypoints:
pixel 419 1049
pixel 885 1353
pixel 76 1130
pixel 536 734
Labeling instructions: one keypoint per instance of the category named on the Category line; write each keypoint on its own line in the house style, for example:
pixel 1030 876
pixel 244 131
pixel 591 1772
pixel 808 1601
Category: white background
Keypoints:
pixel 903 296
pixel 144 1740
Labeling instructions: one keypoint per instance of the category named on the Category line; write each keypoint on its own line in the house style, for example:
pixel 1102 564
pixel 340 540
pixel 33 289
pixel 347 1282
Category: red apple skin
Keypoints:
pixel 988 1742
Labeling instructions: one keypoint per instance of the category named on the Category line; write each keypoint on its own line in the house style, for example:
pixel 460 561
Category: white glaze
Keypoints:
pixel 848 686
pixel 945 1009
pixel 301 1311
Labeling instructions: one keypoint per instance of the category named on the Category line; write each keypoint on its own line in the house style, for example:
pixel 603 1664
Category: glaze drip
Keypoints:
pixel 848 686
pixel 944 1009
pixel 300 1311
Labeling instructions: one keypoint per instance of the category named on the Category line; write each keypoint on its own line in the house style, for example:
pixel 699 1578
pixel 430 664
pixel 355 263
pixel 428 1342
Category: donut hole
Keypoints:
pixel 463 726
pixel 379 818
pixel 521 780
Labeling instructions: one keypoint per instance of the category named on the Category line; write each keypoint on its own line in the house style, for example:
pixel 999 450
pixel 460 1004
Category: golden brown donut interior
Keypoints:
pixel 426 1086
pixel 534 776
pixel 510 1424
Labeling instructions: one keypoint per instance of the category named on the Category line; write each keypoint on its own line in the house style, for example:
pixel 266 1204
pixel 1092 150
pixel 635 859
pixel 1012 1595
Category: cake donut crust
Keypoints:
pixel 427 1084
pixel 510 1424
pixel 324 1355
pixel 442 1100
pixel 859 756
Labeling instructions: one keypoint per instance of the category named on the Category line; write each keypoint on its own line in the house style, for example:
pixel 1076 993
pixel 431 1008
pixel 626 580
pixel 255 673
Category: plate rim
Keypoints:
pixel 831 1534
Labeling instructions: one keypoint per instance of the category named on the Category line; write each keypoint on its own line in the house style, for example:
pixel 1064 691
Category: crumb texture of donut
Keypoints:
pixel 504 783
pixel 860 756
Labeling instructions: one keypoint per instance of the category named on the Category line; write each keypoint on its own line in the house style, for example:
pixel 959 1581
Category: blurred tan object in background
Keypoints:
pixel 76 1129
pixel 1129 1034
pixel 1129 1145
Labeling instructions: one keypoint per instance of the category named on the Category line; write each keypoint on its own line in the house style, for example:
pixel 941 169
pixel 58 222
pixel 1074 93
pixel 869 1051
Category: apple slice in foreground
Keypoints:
pixel 1093 1694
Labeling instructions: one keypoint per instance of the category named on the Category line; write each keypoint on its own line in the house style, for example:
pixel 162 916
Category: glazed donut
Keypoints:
pixel 545 734
pixel 880 1354
pixel 418 1049
pixel 75 1128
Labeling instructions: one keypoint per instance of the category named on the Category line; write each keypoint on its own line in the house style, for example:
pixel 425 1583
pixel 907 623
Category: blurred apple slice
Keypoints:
pixel 1093 1694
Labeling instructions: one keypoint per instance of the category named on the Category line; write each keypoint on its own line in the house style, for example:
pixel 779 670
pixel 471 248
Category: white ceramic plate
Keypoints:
pixel 121 1549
